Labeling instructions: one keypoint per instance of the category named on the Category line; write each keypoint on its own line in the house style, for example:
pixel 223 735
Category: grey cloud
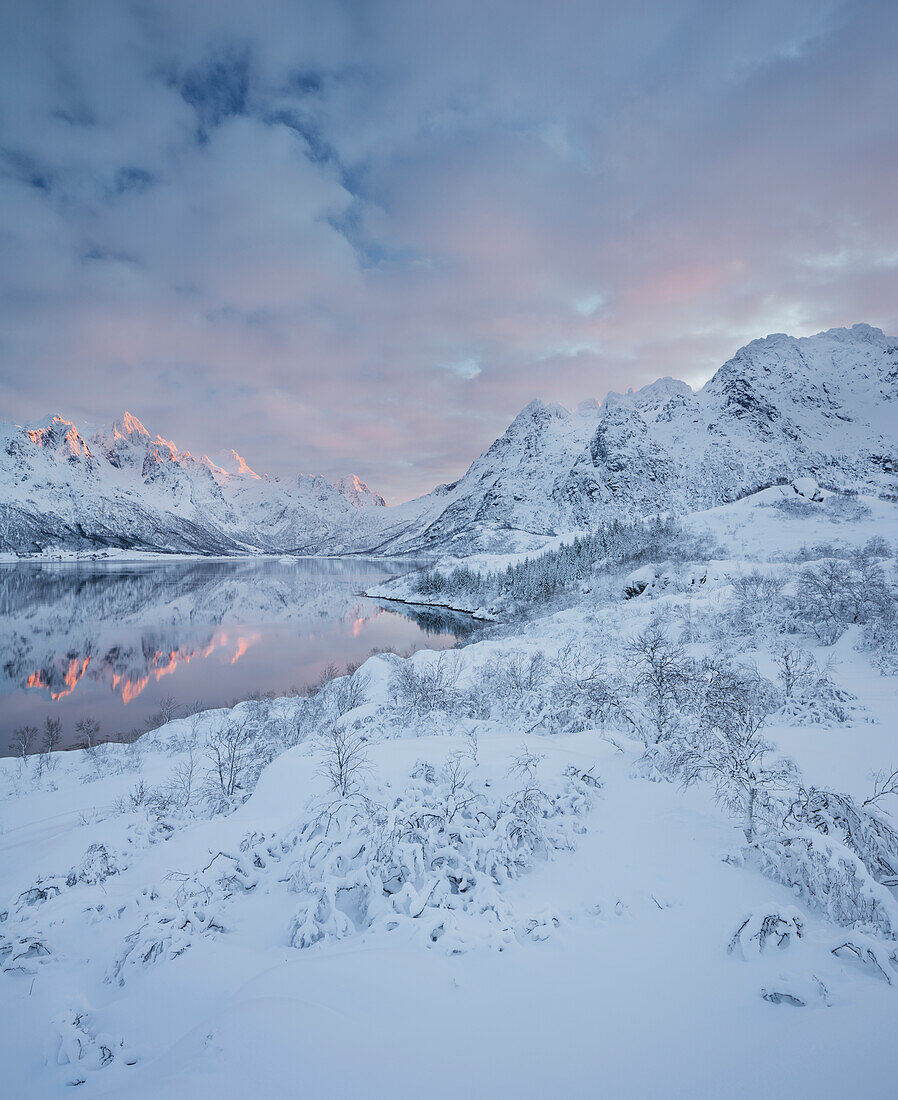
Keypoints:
pixel 345 236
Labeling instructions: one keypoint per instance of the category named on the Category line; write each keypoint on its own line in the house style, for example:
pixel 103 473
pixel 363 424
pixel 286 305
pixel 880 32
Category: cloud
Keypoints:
pixel 360 237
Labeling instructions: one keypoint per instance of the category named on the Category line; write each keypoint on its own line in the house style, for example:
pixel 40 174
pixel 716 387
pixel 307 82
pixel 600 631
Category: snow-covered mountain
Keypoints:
pixel 825 406
pixel 123 487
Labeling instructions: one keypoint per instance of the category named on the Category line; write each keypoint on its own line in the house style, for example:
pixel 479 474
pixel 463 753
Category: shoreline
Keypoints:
pixel 485 618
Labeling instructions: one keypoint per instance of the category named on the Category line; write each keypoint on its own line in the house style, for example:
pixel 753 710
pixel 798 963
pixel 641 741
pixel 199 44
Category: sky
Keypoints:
pixel 358 237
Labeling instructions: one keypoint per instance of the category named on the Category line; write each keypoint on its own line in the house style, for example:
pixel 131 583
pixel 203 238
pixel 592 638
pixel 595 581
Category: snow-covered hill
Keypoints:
pixel 781 408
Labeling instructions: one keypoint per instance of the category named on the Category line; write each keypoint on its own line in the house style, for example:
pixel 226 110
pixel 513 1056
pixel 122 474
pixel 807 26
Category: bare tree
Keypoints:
pixel 23 739
pixel 835 594
pixel 662 673
pixel 183 779
pixel 884 783
pixel 168 709
pixel 228 750
pixel 796 669
pixel 52 737
pixel 730 750
pixel 88 729
pixel 328 673
pixel 344 760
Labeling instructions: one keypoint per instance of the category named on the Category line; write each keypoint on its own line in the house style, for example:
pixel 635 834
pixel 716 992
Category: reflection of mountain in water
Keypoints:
pixel 173 592
pixel 125 627
pixel 438 620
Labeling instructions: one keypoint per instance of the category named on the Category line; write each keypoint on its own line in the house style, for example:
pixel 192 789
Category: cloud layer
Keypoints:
pixel 360 236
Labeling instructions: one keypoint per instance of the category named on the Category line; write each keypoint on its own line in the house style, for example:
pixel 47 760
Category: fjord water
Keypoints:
pixel 117 641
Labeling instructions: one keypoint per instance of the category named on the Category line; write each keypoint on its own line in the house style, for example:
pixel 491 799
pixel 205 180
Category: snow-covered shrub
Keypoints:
pixel 841 508
pixel 758 605
pixel 831 878
pixel 511 687
pixel 859 827
pixel 419 689
pixel 809 694
pixel 80 1045
pixel 870 955
pixel 795 507
pixel 880 632
pixel 43 890
pixel 97 865
pixel 167 931
pixel 20 953
pixel 584 692
pixel 433 860
pixel 663 676
pixel 728 748
pixel 761 931
pixel 836 594
pixel 337 697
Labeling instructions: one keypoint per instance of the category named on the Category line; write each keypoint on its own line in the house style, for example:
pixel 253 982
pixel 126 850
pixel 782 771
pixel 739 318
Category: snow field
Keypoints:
pixel 517 891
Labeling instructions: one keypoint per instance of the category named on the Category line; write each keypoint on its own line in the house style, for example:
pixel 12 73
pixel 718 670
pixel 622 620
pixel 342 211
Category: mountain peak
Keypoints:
pixel 358 493
pixel 55 433
pixel 654 394
pixel 130 428
pixel 230 463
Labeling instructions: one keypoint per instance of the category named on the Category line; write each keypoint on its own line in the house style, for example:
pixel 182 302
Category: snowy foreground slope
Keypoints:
pixel 824 406
pixel 635 843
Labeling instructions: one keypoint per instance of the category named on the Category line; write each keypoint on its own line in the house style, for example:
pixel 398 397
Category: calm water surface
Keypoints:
pixel 117 641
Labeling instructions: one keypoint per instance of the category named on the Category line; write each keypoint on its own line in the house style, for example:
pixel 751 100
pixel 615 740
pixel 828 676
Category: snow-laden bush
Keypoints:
pixel 827 875
pixel 420 689
pixel 869 955
pixel 79 1045
pixel 663 676
pixel 585 693
pixel 509 687
pixel 859 827
pixel 22 952
pixel 168 928
pixel 761 931
pixel 575 690
pixel 434 860
pixel 97 865
pixel 880 631
pixel 759 607
pixel 336 697
pixel 810 696
pixel 835 594
pixel 729 750
pixel 186 905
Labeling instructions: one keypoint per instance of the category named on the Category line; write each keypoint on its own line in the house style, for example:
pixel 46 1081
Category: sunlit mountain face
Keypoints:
pixel 122 487
pixel 119 642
